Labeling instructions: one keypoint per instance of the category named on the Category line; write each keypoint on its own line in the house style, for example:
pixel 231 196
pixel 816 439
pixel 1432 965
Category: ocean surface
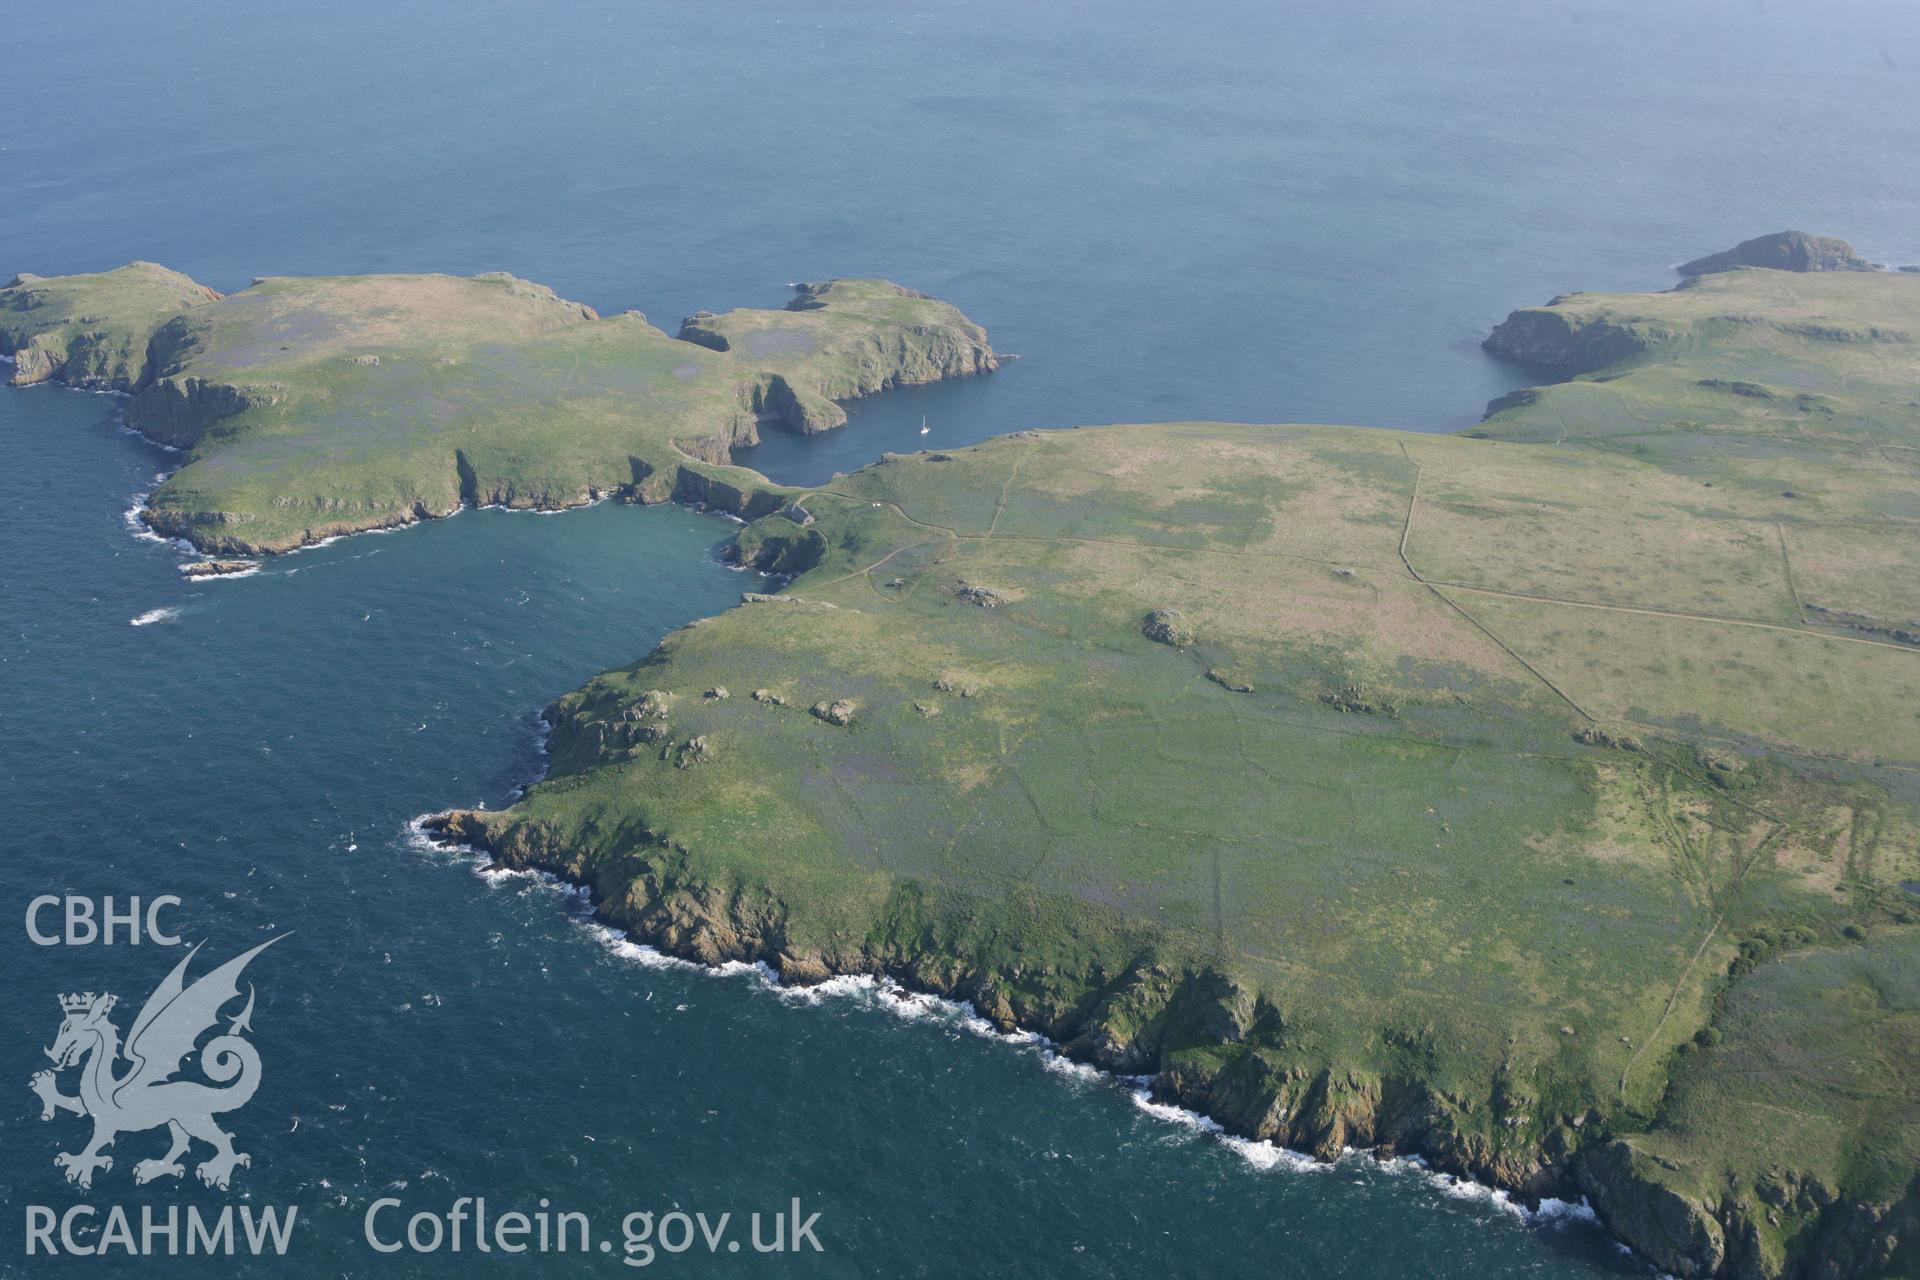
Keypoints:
pixel 1257 212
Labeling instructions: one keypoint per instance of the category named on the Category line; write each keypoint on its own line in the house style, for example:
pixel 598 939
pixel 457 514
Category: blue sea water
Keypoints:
pixel 1252 211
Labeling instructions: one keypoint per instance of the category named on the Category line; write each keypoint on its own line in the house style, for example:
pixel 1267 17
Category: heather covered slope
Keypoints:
pixel 1366 788
pixel 318 406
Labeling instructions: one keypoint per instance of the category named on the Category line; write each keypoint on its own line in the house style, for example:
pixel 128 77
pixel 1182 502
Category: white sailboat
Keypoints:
pixel 924 428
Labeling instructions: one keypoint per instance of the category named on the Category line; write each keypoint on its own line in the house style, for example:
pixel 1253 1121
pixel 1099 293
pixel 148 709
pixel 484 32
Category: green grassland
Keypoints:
pixel 1544 799
pixel 1503 796
pixel 91 331
pixel 317 406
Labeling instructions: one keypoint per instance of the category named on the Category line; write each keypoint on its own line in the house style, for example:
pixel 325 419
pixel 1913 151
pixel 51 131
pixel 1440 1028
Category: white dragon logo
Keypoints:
pixel 145 1097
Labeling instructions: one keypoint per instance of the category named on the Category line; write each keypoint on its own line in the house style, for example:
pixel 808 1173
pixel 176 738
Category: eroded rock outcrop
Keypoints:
pixel 1568 342
pixel 176 409
pixel 1782 251
pixel 1168 626
pixel 1678 1233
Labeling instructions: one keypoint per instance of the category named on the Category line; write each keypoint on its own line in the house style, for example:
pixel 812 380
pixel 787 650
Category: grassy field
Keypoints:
pixel 1506 795
pixel 317 406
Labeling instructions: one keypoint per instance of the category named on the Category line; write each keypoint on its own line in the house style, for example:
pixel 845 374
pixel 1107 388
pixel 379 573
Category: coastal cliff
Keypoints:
pixel 92 332
pixel 1120 998
pixel 314 407
pixel 1782 251
pixel 811 366
pixel 1129 1006
pixel 1564 339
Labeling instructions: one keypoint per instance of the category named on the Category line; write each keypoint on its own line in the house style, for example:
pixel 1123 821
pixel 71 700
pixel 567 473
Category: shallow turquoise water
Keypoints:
pixel 1309 215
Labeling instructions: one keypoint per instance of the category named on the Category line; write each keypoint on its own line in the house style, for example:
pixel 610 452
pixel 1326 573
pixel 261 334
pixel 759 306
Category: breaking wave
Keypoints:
pixel 884 993
pixel 138 527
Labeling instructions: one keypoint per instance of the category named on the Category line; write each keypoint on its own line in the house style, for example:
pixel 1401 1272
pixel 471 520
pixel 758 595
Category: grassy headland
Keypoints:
pixel 317 406
pixel 91 331
pixel 1514 797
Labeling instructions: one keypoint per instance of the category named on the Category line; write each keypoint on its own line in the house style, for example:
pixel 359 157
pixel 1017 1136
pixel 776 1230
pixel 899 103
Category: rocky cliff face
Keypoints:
pixel 1787 1229
pixel 795 406
pixel 91 331
pixel 1680 1235
pixel 1206 1041
pixel 90 360
pixel 746 500
pixel 1567 343
pixel 1782 251
pixel 1210 1045
pixel 176 410
pixel 841 339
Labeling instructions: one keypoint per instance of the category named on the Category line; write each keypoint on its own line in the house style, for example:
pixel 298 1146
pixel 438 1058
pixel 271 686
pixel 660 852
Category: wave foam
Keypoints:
pixel 886 994
pixel 1560 1213
pixel 1455 1188
pixel 139 528
pixel 142 436
pixel 152 616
